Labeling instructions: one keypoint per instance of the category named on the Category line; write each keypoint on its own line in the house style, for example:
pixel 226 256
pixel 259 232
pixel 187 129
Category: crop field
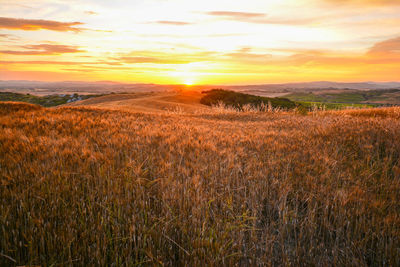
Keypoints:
pixel 349 97
pixel 46 101
pixel 98 187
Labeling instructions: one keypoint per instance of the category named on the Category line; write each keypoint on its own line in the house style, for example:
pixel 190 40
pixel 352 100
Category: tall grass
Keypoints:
pixel 84 186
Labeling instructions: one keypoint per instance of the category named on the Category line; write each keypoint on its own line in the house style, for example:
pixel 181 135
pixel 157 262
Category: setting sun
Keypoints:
pixel 189 78
pixel 189 81
pixel 185 74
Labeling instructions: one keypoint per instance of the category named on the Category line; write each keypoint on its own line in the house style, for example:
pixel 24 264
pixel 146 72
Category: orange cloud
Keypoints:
pixel 50 62
pixel 41 62
pixel 43 49
pixel 139 59
pixel 38 24
pixel 245 55
pixel 6 36
pixel 81 70
pixel 363 2
pixel 236 15
pixel 382 53
pixel 175 23
pixel 91 12
pixel 261 18
pixel 387 46
pixel 43 75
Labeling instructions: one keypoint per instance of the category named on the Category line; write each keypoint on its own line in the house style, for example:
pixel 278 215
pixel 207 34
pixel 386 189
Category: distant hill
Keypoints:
pixel 46 101
pixel 316 86
pixel 43 88
pixel 47 88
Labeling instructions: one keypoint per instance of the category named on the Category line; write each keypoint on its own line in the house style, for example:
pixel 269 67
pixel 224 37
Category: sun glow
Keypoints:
pixel 189 81
pixel 185 77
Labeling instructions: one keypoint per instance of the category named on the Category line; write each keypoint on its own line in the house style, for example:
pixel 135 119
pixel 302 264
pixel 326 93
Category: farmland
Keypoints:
pixel 84 185
pixel 46 101
pixel 347 97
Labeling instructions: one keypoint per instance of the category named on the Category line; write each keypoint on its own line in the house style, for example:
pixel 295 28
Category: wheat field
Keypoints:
pixel 86 186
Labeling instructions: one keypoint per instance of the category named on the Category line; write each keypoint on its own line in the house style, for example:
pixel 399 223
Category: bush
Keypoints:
pixel 238 100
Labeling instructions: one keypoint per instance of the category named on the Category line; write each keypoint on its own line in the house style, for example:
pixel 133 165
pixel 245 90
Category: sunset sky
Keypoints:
pixel 200 42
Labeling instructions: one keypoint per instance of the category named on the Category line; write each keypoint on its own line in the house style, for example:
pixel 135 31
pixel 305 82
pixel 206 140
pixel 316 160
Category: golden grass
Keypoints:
pixel 393 112
pixel 185 101
pixel 86 186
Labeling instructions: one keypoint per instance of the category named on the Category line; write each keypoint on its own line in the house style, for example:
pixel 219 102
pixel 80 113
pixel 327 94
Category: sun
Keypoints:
pixel 188 81
pixel 186 78
pixel 187 74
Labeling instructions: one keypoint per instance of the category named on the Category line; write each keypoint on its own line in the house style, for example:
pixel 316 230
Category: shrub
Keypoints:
pixel 238 100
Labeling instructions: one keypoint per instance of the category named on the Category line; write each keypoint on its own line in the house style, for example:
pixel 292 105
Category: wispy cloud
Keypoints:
pixel 89 12
pixel 236 15
pixel 382 53
pixel 9 37
pixel 262 18
pixel 38 24
pixel 40 62
pixel 175 23
pixel 53 62
pixel 81 70
pixel 154 60
pixel 6 36
pixel 246 55
pixel 43 49
pixel 139 57
pixel 387 46
pixel 362 2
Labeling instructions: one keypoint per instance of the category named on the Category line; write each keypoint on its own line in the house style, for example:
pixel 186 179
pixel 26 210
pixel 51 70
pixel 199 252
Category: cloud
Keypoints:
pixel 43 49
pixel 42 62
pixel 261 18
pixel 80 70
pixel 91 12
pixel 6 36
pixel 38 24
pixel 140 57
pixel 176 23
pixel 385 56
pixel 9 38
pixel 42 75
pixel 154 60
pixel 386 47
pixel 96 68
pixel 245 55
pixel 66 63
pixel 236 15
pixel 363 2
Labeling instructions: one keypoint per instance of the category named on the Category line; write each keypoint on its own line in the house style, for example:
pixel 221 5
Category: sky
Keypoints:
pixel 200 42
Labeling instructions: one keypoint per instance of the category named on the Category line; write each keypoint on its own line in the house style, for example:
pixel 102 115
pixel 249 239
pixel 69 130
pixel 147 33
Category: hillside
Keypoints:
pixel 46 101
pixel 91 186
pixel 187 101
pixel 239 100
pixel 370 97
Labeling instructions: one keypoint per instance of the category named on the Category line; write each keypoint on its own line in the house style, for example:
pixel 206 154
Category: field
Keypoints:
pixel 46 101
pixel 348 97
pixel 142 183
pixel 148 102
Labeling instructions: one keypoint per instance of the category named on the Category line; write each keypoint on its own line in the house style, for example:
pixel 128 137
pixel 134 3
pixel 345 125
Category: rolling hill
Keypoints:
pixel 187 101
